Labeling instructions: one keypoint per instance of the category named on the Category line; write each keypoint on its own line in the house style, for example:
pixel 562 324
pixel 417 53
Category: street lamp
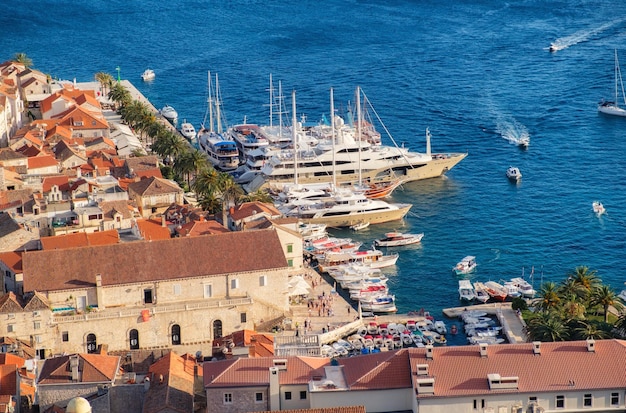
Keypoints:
pixel 118 74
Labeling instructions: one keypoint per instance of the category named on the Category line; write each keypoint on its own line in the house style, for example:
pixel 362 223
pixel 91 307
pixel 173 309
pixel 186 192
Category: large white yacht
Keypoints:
pixel 354 161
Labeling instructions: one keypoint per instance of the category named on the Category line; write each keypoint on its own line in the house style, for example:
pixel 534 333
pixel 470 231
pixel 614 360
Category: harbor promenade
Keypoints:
pixel 326 310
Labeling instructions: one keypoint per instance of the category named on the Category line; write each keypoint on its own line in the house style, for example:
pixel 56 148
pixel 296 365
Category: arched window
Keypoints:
pixel 134 339
pixel 92 345
pixel 175 334
pixel 217 329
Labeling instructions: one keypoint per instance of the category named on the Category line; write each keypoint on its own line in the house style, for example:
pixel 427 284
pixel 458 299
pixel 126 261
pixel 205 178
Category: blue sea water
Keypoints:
pixel 476 73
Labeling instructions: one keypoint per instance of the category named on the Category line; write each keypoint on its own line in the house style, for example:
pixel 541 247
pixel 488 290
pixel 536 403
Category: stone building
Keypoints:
pixel 179 293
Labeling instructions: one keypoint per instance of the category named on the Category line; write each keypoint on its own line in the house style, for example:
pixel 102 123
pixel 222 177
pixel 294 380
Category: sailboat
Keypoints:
pixel 340 207
pixel 612 107
pixel 221 151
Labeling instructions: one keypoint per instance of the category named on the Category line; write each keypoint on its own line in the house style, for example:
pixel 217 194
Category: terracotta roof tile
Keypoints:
pixel 461 371
pixel 141 261
pixel 41 161
pixel 80 239
pixel 154 186
pixel 8 379
pixel 249 209
pixel 13 260
pixel 152 230
pixel 62 181
pixel 94 368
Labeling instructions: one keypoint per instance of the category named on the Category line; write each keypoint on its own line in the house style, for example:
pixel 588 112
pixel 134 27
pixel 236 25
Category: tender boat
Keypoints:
pixel 598 208
pixel 360 225
pixel 370 258
pixel 148 75
pixel 169 113
pixel 396 239
pixel 465 266
pixel 513 173
pixel 466 291
pixel 188 131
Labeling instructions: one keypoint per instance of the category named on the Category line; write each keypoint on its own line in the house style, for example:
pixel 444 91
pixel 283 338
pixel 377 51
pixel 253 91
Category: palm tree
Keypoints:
pixel 606 297
pixel 548 297
pixel 585 278
pixel 206 184
pixel 106 80
pixel 546 326
pixel 589 330
pixel 572 308
pixel 23 59
pixel 259 195
pixel 190 162
pixel 569 287
pixel 120 95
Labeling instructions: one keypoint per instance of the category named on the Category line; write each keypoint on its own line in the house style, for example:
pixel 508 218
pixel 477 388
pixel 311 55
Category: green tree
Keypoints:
pixel 589 330
pixel 23 59
pixel 606 297
pixel 260 195
pixel 585 278
pixel 548 297
pixel 546 326
pixel 106 80
pixel 120 95
pixel 190 163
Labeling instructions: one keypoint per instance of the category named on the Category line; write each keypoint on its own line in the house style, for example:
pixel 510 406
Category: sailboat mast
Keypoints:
pixel 332 133
pixel 616 74
pixel 358 127
pixel 294 137
pixel 210 103
pixel 217 106
pixel 280 109
pixel 271 104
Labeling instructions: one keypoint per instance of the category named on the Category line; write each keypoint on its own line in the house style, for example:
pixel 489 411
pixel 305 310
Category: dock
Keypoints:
pixel 511 322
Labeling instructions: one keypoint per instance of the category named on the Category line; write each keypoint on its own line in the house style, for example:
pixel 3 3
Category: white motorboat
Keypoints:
pixel 371 258
pixel 395 239
pixel 148 75
pixel 513 173
pixel 344 208
pixel 613 107
pixel 188 131
pixel 480 290
pixel 511 289
pixel 169 113
pixel 360 225
pixel 524 287
pixel 466 291
pixel 440 327
pixel 598 208
pixel 466 265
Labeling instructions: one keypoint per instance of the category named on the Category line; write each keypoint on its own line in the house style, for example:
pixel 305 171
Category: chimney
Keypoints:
pixel 429 351
pixel 280 364
pixel 99 292
pixel 483 349
pixel 536 347
pixel 160 379
pixel 591 345
pixel 163 221
pixel 74 362
pixel 274 396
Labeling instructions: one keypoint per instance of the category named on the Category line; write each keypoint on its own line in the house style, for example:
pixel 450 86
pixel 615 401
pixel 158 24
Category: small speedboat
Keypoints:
pixel 598 208
pixel 148 75
pixel 187 130
pixel 396 239
pixel 513 173
pixel 169 113
pixel 360 225
pixel 465 266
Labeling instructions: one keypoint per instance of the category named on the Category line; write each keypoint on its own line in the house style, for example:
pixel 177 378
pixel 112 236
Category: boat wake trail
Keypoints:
pixel 497 256
pixel 513 131
pixel 581 36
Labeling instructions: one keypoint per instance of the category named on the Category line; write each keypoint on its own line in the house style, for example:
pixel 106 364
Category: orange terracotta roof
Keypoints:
pixel 62 181
pixel 248 209
pixel 96 368
pixel 152 230
pixel 141 261
pixel 172 385
pixel 255 371
pixel 385 370
pixel 8 379
pixel 153 186
pixel 80 239
pixel 8 358
pixel 461 371
pixel 13 260
pixel 201 227
pixel 80 114
pixel 41 161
